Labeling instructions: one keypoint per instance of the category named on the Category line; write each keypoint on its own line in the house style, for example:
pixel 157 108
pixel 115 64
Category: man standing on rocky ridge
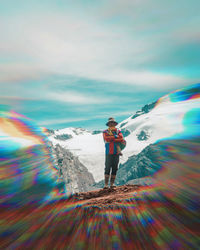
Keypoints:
pixel 112 136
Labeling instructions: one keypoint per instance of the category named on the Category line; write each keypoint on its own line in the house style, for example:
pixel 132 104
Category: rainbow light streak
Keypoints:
pixel 35 213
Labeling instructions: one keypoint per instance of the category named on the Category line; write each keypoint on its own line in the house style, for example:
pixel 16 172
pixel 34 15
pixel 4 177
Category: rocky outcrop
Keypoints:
pixel 49 132
pixel 146 109
pixel 76 176
pixel 125 132
pixel 137 166
pixel 143 135
pixel 63 137
pixel 95 132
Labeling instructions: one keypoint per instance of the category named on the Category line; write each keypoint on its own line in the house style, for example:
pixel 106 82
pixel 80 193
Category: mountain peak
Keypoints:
pixel 72 131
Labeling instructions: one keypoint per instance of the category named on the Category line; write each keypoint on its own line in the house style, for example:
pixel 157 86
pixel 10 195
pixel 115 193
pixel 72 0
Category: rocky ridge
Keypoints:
pixel 75 175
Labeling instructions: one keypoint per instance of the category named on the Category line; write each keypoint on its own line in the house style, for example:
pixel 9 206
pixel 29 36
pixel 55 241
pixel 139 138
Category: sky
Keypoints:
pixel 67 63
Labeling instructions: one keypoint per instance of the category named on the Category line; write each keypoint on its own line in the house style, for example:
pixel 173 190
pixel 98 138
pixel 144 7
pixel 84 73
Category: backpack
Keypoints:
pixel 122 144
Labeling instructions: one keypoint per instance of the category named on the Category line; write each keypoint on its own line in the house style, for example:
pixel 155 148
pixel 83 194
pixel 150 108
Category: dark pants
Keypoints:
pixel 111 163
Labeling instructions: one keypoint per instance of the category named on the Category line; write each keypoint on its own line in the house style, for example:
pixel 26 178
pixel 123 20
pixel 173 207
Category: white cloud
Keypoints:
pixel 67 120
pixel 60 121
pixel 19 72
pixel 143 78
pixel 76 98
pixel 119 113
pixel 26 72
pixel 54 43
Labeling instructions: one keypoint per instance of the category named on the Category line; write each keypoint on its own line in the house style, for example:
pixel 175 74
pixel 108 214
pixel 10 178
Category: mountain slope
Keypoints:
pixel 158 120
pixel 75 175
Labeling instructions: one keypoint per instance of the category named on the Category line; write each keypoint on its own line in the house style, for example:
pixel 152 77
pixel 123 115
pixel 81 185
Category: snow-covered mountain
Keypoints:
pixel 155 121
pixel 88 146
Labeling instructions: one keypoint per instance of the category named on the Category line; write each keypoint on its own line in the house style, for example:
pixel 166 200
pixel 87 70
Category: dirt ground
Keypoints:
pixel 105 197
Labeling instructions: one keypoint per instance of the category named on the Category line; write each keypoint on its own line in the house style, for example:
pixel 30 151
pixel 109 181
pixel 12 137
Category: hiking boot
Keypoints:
pixel 112 180
pixel 106 180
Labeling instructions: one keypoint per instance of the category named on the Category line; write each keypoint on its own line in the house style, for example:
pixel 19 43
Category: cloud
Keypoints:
pixel 76 98
pixel 68 120
pixel 20 72
pixel 143 78
pixel 13 73
pixel 68 97
pixel 60 121
pixel 73 44
pixel 119 113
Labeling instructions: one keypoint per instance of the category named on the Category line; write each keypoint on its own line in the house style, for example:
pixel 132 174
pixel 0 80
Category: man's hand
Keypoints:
pixel 113 139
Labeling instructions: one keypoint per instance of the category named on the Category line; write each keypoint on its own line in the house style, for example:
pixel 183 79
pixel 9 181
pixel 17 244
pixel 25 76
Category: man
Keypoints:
pixel 112 136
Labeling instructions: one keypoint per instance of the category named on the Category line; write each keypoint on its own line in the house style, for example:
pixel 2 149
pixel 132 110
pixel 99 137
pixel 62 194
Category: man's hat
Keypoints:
pixel 111 119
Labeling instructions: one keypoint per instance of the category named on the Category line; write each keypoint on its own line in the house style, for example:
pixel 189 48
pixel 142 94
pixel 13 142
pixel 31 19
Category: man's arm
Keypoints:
pixel 119 138
pixel 108 138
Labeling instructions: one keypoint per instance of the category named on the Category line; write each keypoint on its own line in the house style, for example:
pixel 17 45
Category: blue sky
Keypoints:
pixel 76 63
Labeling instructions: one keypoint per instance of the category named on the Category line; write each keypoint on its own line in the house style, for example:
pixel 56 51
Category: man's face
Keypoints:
pixel 111 124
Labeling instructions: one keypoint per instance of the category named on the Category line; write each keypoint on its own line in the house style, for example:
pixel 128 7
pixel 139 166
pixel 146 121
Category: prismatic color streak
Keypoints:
pixel 35 214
